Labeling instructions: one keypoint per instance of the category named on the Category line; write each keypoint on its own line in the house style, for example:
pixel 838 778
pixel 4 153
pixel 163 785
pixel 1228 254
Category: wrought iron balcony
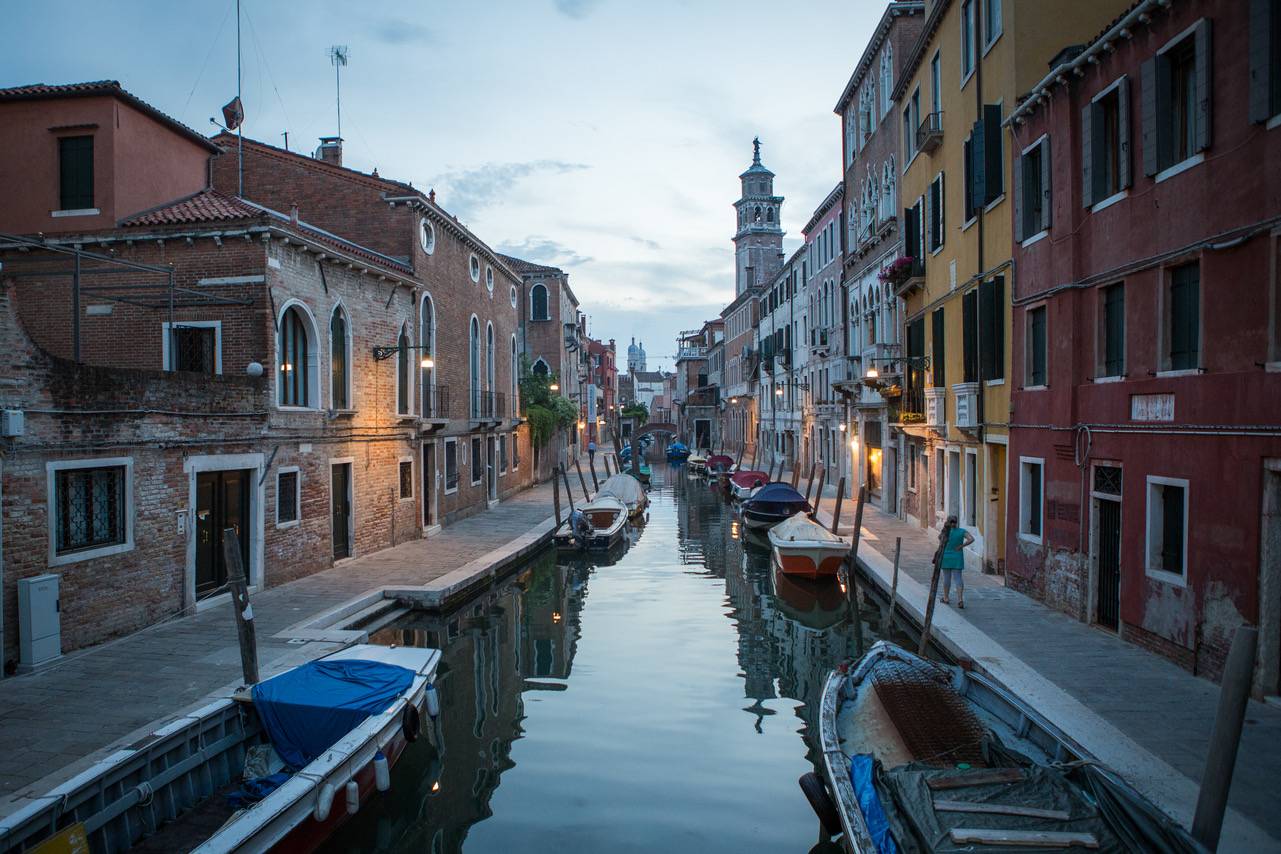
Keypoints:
pixel 435 401
pixel 929 133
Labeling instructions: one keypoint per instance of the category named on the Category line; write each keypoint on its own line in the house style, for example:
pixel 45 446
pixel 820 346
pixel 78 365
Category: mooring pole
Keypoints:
pixel 239 587
pixel 836 514
pixel 738 463
pixel 556 497
pixel 568 493
pixel 818 496
pixel 75 311
pixel 591 466
pixel 856 611
pixel 810 484
pixel 605 459
pixel 755 448
pixel 898 543
pixel 1225 738
pixel 796 473
pixel 929 606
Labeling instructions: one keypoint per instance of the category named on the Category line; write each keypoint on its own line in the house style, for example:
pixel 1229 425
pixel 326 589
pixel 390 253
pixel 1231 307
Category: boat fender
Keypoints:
pixel 821 802
pixel 353 797
pixel 410 724
pixel 382 772
pixel 324 802
pixel 433 700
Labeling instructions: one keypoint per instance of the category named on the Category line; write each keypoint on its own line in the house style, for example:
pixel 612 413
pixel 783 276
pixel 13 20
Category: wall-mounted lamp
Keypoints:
pixel 554 387
pixel 842 426
pixel 384 353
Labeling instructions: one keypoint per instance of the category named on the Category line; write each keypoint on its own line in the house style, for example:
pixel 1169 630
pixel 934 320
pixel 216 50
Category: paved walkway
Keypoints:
pixel 64 718
pixel 1160 707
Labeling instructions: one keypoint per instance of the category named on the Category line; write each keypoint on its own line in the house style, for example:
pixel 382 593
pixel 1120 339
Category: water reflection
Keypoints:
pixel 673 708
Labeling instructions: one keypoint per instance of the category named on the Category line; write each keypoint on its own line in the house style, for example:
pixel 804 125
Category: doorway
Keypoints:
pixel 340 508
pixel 1268 676
pixel 491 470
pixel 222 501
pixel 1105 544
pixel 429 484
pixel 954 484
pixel 702 434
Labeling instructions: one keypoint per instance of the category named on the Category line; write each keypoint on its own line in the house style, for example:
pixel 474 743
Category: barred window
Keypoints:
pixel 286 497
pixel 195 349
pixel 476 462
pixel 89 508
pixel 502 453
pixel 515 451
pixel 451 466
pixel 406 479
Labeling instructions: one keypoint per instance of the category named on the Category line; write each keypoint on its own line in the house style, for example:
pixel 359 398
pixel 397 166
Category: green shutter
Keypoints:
pixel 1114 330
pixel 1038 376
pixel 969 335
pixel 938 358
pixel 1185 318
pixel 977 167
pixel 994 161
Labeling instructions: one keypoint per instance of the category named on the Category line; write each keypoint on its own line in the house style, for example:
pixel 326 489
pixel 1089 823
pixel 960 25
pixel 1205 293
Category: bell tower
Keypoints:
pixel 758 242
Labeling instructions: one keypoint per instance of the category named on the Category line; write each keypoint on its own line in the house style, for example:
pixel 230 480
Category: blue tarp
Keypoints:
pixel 862 768
pixel 307 709
pixel 777 498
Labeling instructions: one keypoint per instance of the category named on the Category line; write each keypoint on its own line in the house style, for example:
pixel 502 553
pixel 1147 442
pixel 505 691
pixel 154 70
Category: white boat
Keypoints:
pixel 803 547
pixel 149 786
pixel 926 756
pixel 606 518
pixel 696 462
pixel 743 484
pixel 626 489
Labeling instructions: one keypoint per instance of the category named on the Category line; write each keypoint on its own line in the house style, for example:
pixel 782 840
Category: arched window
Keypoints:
pixel 427 340
pixel 540 368
pixel 339 361
pixel 297 348
pixel 887 78
pixel 888 202
pixel 489 357
pixel 474 366
pixel 404 371
pixel 515 388
pixel 538 303
pixel 769 214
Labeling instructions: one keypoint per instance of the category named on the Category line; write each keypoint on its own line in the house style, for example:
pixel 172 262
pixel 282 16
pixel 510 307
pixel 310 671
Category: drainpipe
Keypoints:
pixel 978 332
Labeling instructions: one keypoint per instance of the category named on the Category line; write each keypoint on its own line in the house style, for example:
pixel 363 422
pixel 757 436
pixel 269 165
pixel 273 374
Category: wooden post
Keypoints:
pixel 755 448
pixel 1225 738
pixel 889 631
pixel 605 457
pixel 818 496
pixel 582 481
pixel 568 494
pixel 240 604
pixel 738 464
pixel 556 497
pixel 856 612
pixel 929 606
pixel 810 484
pixel 796 473
pixel 591 466
pixel 836 514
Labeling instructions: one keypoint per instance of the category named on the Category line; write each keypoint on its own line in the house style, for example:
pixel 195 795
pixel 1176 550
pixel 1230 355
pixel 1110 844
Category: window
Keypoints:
pixel 451 466
pixel 936 83
pixel 89 509
pixel 1032 190
pixel 404 372
pixel 970 335
pixel 992 328
pixel 913 460
pixel 940 493
pixel 1031 497
pixel 288 497
pixel 911 119
pixel 887 79
pixel 1177 101
pixel 540 367
pixel 983 160
pixel 296 354
pixel 1265 59
pixel 515 451
pixel 1105 144
pixel 502 454
pixel 194 346
pixel 971 489
pixel 1112 300
pixel 75 173
pixel 1184 329
pixel 513 296
pixel 473 360
pixel 406 480
pixel 1035 347
pixel 934 206
pixel 433 400
pixel 476 463
pixel 339 365
pixel 1167 528
pixel 967 40
pixel 538 303
pixel 473 267
pixel 426 235
pixel 489 279
pixel 992 23
pixel 938 358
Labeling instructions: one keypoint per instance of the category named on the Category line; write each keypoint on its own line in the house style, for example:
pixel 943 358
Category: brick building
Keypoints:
pixel 600 390
pixel 1145 453
pixel 325 365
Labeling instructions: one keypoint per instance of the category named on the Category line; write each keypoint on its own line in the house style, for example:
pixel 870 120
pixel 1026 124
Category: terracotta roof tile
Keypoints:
pixel 521 266
pixel 205 206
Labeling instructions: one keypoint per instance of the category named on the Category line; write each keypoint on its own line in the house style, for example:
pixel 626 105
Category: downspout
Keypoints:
pixel 978 301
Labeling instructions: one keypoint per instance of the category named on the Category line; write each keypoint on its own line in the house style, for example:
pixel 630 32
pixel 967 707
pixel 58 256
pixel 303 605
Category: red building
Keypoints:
pixel 1145 437
pixel 600 391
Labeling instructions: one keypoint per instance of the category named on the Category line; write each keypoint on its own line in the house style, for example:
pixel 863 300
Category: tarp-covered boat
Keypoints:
pixel 743 483
pixel 718 464
pixel 771 504
pixel 596 525
pixel 696 461
pixel 803 547
pixel 920 756
pixel 626 489
pixel 677 451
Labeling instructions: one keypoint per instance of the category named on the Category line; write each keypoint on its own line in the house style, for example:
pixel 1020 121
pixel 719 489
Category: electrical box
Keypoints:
pixel 12 423
pixel 39 621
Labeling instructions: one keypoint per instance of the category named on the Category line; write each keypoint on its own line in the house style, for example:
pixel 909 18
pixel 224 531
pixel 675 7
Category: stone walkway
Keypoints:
pixel 1160 707
pixel 64 718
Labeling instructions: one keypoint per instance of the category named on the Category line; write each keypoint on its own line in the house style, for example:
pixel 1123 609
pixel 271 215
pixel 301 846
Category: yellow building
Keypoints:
pixel 972 62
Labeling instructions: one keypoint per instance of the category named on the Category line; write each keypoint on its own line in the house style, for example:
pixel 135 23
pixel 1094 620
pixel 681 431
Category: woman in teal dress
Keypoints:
pixel 954 539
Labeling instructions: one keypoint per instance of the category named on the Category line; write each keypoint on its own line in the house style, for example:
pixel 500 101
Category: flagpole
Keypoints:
pixel 240 127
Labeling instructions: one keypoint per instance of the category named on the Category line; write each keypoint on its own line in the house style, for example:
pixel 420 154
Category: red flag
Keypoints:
pixel 233 113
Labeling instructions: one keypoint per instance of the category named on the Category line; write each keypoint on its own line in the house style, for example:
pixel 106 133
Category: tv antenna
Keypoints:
pixel 338 56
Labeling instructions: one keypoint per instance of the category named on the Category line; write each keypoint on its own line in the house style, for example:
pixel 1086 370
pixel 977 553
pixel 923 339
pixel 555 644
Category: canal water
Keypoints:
pixel 666 700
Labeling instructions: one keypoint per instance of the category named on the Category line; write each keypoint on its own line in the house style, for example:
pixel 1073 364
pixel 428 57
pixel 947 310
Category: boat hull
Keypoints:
pixel 809 560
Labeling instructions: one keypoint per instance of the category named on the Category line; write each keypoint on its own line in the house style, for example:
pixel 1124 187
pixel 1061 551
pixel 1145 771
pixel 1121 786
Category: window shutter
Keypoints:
pixel 998 327
pixel 1260 60
pixel 1123 131
pixel 1018 197
pixel 968 179
pixel 977 162
pixel 994 164
pixel 942 209
pixel 986 315
pixel 1148 106
pixel 909 232
pixel 1204 107
pixel 926 229
pixel 1087 155
pixel 969 335
pixel 938 358
pixel 1047 197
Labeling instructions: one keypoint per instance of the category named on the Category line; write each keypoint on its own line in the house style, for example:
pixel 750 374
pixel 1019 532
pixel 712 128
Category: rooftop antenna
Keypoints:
pixel 240 133
pixel 338 56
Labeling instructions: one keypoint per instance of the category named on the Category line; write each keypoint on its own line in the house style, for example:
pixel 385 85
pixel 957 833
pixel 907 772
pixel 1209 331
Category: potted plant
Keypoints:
pixel 898 272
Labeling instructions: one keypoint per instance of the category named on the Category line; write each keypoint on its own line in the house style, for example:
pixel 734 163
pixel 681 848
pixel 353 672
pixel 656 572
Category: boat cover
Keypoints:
pixel 625 488
pixel 799 527
pixel 720 461
pixel 307 709
pixel 862 775
pixel 749 479
pixel 778 498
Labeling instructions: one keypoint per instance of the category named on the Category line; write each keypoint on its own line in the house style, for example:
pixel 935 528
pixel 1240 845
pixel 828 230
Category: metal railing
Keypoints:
pixel 929 133
pixel 435 401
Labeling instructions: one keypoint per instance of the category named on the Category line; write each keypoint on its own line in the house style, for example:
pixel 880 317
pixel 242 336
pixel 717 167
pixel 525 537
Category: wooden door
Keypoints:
pixel 340 500
pixel 222 501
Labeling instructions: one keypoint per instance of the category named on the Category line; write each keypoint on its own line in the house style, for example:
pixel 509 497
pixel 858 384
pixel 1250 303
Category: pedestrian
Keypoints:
pixel 591 453
pixel 952 543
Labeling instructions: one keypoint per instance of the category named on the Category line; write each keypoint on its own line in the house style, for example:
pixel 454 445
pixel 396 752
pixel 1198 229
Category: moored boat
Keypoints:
pixel 743 483
pixel 805 548
pixel 696 461
pixel 677 451
pixel 923 756
pixel 718 465
pixel 601 522
pixel 773 503
pixel 626 489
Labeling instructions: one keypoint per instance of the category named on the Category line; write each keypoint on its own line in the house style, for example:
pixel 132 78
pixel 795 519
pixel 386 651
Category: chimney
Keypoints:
pixel 293 214
pixel 330 150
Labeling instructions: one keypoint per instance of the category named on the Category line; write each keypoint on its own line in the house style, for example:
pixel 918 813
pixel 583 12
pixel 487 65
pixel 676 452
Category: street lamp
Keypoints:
pixel 554 387
pixel 872 373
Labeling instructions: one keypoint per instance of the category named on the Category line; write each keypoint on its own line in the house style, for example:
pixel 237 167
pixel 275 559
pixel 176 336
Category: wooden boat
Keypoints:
pixel 677 451
pixel 628 490
pixel 718 465
pixel 606 517
pixel 696 461
pixel 147 788
pixel 773 503
pixel 927 756
pixel 805 548
pixel 743 483
pixel 815 605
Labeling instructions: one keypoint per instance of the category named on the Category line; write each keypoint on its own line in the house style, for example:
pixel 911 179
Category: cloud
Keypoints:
pixel 576 9
pixel 398 31
pixel 468 191
pixel 543 250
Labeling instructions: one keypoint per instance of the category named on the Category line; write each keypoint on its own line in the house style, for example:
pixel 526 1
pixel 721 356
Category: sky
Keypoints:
pixel 604 137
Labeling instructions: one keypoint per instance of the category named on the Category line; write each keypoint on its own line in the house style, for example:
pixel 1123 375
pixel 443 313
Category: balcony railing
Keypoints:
pixel 915 278
pixel 929 133
pixel 691 352
pixel 435 401
pixel 487 405
pixel 912 406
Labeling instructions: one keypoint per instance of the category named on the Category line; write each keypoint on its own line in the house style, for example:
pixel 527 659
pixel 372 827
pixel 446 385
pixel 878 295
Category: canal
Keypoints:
pixel 666 700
